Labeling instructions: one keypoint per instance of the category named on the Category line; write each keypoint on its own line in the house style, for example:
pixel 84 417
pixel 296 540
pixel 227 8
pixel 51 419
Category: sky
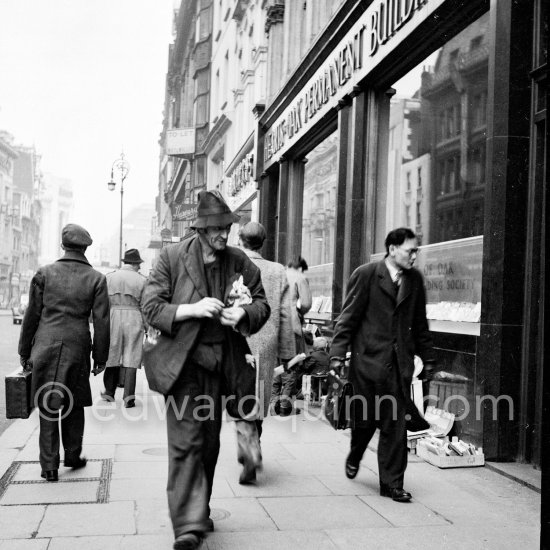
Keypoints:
pixel 81 81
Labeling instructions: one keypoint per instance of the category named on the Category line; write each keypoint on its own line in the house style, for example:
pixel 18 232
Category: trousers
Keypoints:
pixel 193 419
pixel 111 377
pixel 72 434
pixel 383 406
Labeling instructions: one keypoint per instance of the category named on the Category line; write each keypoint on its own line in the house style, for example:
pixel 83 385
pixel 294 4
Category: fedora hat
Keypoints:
pixel 212 210
pixel 131 256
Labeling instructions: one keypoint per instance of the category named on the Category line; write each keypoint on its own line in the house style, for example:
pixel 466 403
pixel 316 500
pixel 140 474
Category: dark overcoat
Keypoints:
pixel 374 323
pixel 179 278
pixel 55 332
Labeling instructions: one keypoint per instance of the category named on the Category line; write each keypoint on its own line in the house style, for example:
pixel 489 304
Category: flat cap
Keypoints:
pixel 75 235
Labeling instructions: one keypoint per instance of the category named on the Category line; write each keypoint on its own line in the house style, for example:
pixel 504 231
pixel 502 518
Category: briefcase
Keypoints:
pixel 18 394
pixel 337 407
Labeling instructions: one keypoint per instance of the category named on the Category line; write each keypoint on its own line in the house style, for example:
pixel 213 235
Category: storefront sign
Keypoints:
pixel 383 26
pixel 184 212
pixel 180 141
pixel 241 175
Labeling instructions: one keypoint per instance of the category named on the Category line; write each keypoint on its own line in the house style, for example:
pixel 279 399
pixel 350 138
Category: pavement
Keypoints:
pixel 302 498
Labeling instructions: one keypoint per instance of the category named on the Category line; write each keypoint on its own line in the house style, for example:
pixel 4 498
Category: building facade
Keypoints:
pixel 431 114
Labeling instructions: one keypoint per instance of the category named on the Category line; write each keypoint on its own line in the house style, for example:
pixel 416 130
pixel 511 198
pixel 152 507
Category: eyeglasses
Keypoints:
pixel 411 251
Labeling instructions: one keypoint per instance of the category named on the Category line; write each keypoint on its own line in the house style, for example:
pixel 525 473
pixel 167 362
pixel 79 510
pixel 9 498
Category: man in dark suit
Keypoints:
pixel 383 320
pixel 199 355
pixel 55 339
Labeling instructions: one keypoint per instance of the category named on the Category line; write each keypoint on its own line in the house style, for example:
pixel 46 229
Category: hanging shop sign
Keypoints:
pixel 180 141
pixel 382 27
pixel 184 212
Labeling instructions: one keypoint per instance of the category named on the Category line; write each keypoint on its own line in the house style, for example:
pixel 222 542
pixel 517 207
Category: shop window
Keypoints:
pixel 450 172
pixel 318 223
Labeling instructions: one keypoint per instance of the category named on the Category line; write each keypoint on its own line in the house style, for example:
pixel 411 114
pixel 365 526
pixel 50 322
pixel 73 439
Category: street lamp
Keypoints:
pixel 121 167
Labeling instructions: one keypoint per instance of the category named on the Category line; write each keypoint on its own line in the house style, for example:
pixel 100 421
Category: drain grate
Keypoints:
pixel 9 484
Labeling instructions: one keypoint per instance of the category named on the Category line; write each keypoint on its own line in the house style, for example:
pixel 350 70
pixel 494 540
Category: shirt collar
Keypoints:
pixel 393 270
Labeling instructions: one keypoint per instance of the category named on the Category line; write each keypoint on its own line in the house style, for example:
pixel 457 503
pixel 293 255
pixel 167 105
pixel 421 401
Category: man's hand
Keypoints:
pixel 208 307
pixel 231 316
pixel 98 368
pixel 25 363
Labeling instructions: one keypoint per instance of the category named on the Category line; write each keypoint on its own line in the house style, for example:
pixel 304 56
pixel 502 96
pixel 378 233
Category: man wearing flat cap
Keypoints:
pixel 125 288
pixel 203 298
pixel 55 340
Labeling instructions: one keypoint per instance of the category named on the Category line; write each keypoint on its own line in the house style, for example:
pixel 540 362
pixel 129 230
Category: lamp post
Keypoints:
pixel 120 166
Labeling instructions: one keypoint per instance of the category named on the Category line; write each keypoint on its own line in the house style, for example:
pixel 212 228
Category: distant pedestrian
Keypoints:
pixel 272 345
pixel 383 321
pixel 203 298
pixel 300 297
pixel 55 339
pixel 127 327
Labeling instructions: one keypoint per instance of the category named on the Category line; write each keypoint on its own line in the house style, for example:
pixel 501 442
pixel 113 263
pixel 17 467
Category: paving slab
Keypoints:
pixel 141 453
pixel 86 543
pixel 402 514
pixel 221 488
pixel 20 522
pixel 152 516
pixel 133 489
pixel 17 434
pixel 277 486
pixel 275 541
pixel 240 514
pixel 115 518
pixel 318 513
pixel 366 483
pixel 7 456
pixel 440 537
pixel 24 544
pixel 140 470
pixel 46 493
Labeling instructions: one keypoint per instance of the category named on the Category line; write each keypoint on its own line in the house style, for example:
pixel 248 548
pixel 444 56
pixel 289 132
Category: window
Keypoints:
pixel 448 163
pixel 318 218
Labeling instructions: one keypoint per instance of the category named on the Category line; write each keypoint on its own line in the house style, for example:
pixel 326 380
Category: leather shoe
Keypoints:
pixel 130 404
pixel 351 469
pixel 248 475
pixel 395 493
pixel 107 396
pixel 187 541
pixel 49 475
pixel 76 463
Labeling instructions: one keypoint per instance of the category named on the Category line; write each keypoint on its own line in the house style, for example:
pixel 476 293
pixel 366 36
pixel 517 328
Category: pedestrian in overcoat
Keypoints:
pixel 125 288
pixel 55 338
pixel 200 354
pixel 272 345
pixel 383 321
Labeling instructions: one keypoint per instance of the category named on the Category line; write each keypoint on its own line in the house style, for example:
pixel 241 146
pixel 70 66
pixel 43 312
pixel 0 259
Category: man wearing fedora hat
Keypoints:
pixel 125 352
pixel 199 355
pixel 55 339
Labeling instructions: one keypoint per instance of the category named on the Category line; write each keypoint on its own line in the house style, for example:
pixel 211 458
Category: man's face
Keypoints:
pixel 404 255
pixel 215 237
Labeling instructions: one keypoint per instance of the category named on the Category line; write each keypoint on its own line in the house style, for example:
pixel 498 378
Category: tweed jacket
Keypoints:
pixel 55 333
pixel 179 278
pixel 374 323
pixel 125 288
pixel 276 339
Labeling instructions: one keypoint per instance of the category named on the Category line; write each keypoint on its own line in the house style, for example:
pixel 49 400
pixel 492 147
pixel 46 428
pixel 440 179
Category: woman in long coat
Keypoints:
pixel 55 338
